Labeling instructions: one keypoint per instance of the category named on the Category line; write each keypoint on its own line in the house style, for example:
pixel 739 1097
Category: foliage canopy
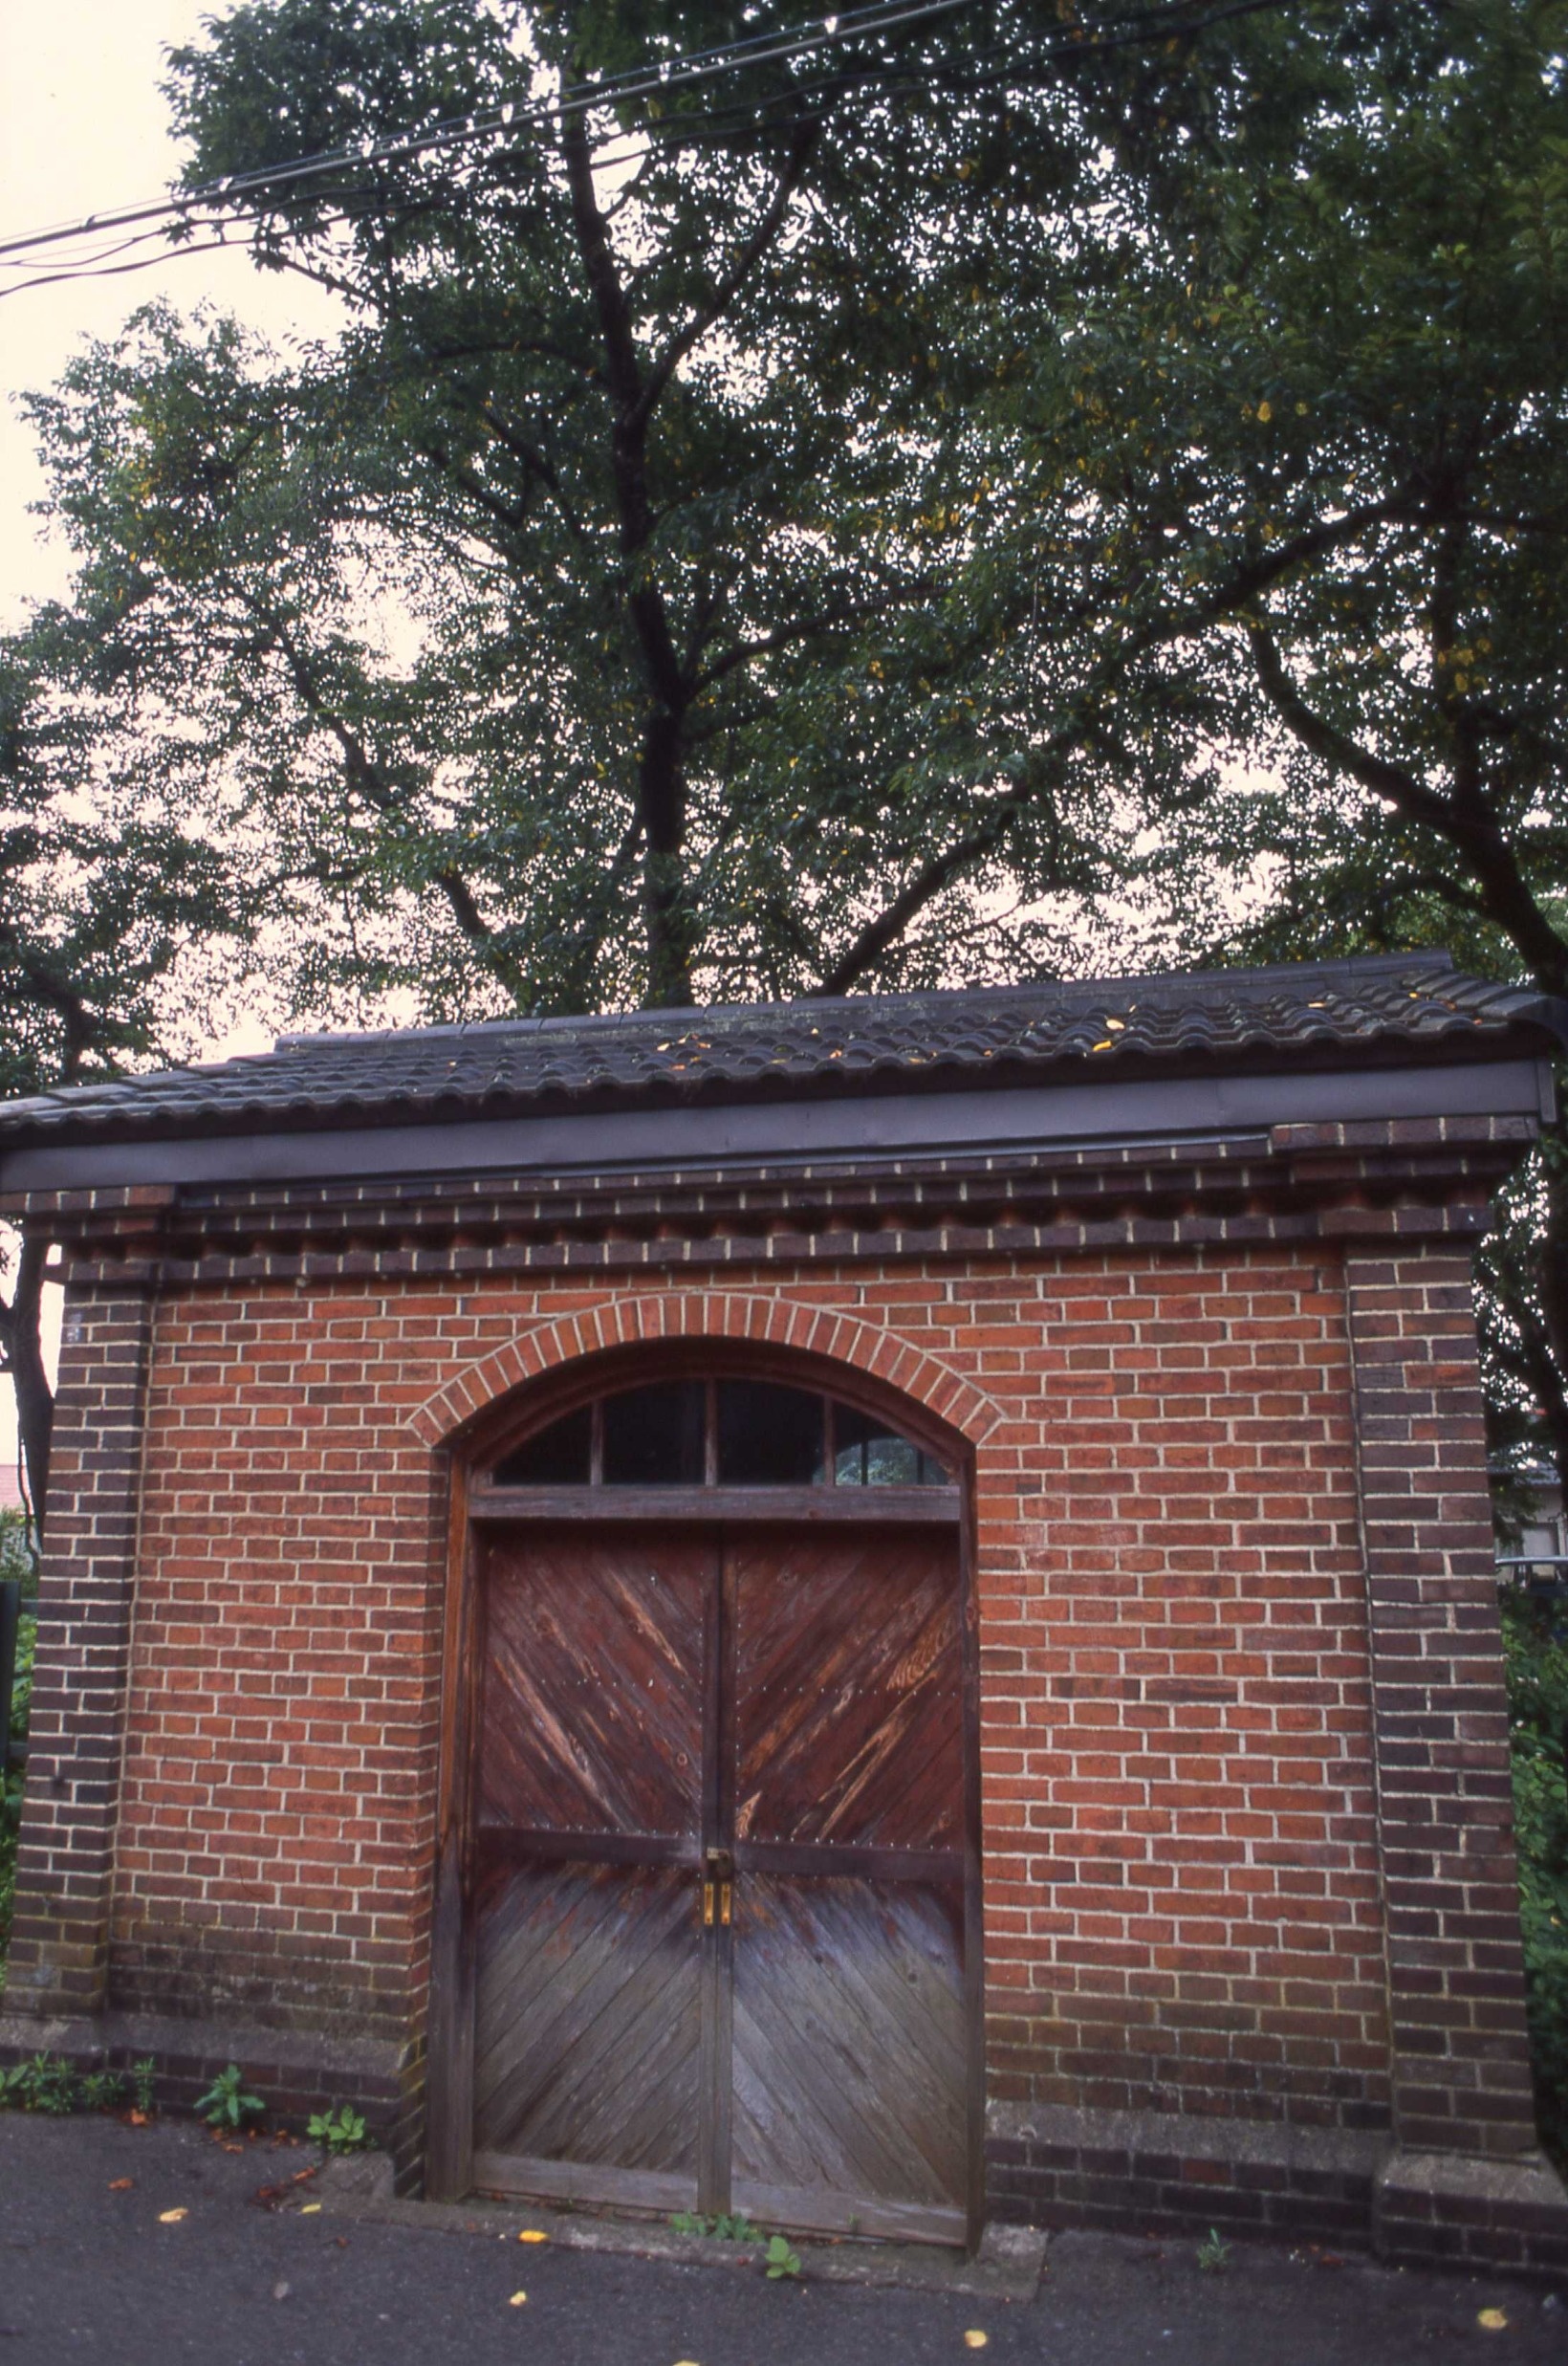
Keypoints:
pixel 1007 489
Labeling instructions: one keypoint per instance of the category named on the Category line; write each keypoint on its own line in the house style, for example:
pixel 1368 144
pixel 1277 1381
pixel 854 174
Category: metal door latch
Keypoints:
pixel 718 1888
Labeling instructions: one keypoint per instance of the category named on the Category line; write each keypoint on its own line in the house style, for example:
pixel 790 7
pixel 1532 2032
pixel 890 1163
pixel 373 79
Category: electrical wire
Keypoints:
pixel 1069 42
pixel 761 48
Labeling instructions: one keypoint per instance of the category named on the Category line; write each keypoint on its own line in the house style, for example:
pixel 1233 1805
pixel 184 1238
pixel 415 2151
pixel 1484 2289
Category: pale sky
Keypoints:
pixel 82 126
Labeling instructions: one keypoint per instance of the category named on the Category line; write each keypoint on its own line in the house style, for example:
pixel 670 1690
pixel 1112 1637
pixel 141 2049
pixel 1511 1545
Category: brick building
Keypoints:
pixel 880 1611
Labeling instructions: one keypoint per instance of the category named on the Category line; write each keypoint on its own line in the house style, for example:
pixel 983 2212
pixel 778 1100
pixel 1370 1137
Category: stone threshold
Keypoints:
pixel 1006 2267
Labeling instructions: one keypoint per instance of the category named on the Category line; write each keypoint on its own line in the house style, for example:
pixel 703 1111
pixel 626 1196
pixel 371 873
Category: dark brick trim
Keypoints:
pixel 1461 2062
pixel 1174 2175
pixel 964 1245
pixel 1397 1180
pixel 295 2072
pixel 59 1944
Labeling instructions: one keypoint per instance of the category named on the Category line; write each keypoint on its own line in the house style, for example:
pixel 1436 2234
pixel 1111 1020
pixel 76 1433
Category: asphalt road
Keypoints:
pixel 89 2269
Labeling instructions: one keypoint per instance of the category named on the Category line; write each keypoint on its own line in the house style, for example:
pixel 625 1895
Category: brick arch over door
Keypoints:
pixel 535 1904
pixel 716 1315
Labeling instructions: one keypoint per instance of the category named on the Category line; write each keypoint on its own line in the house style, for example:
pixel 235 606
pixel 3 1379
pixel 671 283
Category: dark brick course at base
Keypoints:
pixel 295 2073
pixel 1162 2173
pixel 1152 2172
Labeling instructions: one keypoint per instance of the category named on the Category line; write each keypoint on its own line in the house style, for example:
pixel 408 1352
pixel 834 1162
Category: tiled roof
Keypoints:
pixel 1391 1008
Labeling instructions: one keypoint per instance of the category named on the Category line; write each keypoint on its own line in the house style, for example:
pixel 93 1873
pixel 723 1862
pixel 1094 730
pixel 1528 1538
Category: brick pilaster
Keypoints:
pixel 59 1946
pixel 1460 2064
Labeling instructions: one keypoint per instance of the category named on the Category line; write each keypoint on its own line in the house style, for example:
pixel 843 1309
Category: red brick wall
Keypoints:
pixel 1183 1905
pixel 1183 1901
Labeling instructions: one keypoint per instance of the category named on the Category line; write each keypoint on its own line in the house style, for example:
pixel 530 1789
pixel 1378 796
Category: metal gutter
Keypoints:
pixel 1099 1114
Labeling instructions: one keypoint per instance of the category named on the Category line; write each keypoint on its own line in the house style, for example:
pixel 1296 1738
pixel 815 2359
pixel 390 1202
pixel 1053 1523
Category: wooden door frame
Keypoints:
pixel 449 2159
pixel 448 2077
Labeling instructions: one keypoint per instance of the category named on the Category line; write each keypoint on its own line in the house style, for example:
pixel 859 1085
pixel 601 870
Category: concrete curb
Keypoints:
pixel 1008 2268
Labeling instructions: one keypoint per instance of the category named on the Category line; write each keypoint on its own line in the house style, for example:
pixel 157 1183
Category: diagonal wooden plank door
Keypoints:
pixel 845 1765
pixel 592 2073
pixel 792 1700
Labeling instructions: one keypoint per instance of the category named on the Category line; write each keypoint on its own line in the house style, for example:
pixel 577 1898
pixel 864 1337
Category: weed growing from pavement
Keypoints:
pixel 50 2083
pixel 225 2105
pixel 1213 2252
pixel 102 2091
pixel 46 2083
pixel 737 2228
pixel 341 2132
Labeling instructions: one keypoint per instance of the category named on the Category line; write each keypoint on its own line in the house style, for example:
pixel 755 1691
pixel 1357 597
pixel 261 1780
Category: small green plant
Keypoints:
pixel 225 2105
pixel 17 1560
pixel 1536 1657
pixel 144 2083
pixel 1213 2252
pixel 341 2132
pixel 726 2227
pixel 47 2083
pixel 102 2091
pixel 781 2260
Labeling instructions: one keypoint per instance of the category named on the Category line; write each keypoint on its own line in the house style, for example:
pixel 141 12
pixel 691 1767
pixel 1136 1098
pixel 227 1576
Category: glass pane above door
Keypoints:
pixel 726 1433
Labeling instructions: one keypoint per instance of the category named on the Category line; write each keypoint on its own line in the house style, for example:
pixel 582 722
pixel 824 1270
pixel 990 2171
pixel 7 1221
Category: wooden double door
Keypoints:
pixel 718 1890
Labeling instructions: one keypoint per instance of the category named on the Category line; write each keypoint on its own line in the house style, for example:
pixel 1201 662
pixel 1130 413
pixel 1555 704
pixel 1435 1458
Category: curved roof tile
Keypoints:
pixel 1390 1008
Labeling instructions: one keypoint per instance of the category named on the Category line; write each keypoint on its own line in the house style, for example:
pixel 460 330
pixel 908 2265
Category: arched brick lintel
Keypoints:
pixel 707 1314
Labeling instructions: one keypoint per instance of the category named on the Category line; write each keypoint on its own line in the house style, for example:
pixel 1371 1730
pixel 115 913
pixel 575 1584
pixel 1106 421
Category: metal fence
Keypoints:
pixel 1542 1576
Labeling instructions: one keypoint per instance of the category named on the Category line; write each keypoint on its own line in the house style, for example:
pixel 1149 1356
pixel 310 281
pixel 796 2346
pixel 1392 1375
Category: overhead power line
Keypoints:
pixel 1171 19
pixel 649 81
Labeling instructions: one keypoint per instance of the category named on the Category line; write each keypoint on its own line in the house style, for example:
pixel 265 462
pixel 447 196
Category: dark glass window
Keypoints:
pixel 770 1437
pixel 553 1457
pixel 867 1453
pixel 759 1433
pixel 655 1437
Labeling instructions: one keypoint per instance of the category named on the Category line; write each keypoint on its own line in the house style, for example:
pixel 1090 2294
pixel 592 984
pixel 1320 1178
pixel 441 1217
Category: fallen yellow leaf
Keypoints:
pixel 517 2299
pixel 309 2209
pixel 1496 2320
pixel 533 2234
pixel 975 2340
pixel 171 2218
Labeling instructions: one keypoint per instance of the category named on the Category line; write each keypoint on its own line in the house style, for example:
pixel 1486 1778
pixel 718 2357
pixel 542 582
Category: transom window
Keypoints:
pixel 718 1433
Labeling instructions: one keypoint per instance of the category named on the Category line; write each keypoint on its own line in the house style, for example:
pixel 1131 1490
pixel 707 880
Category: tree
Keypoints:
pixel 652 431
pixel 111 911
pixel 1298 453
pixel 935 504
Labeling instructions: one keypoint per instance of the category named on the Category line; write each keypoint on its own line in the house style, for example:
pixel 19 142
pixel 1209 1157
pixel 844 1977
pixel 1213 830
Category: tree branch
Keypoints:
pixel 707 317
pixel 1473 832
pixel 367 777
pixel 805 629
pixel 928 882
pixel 21 1358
